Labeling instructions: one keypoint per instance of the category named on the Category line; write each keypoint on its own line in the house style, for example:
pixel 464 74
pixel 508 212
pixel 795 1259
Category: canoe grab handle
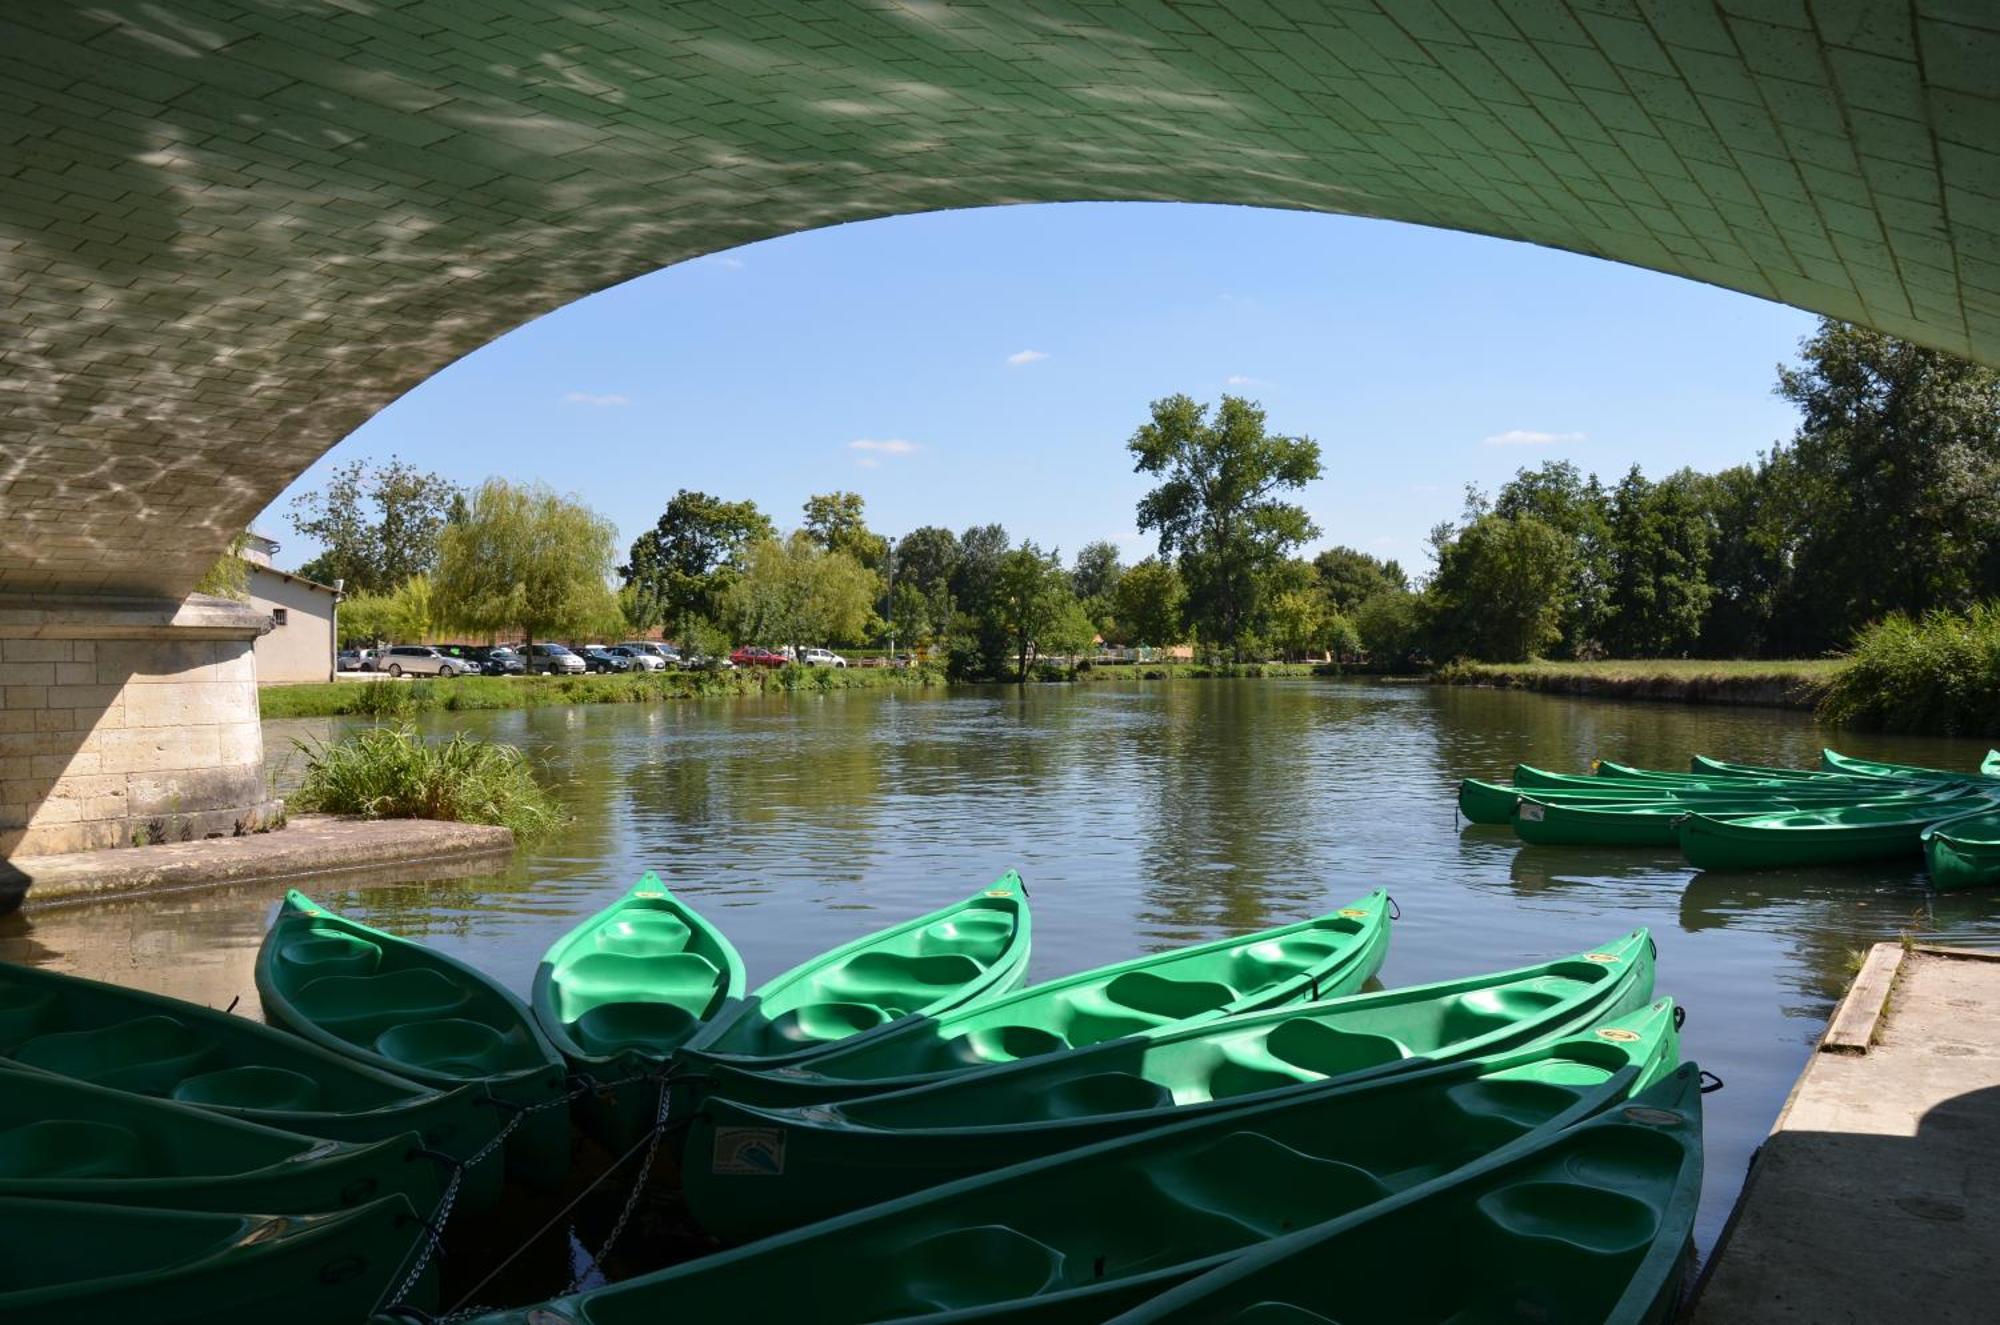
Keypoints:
pixel 1710 1083
pixel 1395 913
pixel 1680 1016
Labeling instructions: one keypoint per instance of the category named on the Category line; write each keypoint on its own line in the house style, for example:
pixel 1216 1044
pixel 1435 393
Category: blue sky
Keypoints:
pixel 965 367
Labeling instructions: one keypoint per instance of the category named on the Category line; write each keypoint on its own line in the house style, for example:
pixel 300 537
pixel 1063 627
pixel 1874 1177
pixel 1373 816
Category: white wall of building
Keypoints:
pixel 299 645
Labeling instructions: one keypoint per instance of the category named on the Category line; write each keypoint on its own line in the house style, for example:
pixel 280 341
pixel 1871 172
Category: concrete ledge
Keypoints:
pixel 310 846
pixel 1856 1020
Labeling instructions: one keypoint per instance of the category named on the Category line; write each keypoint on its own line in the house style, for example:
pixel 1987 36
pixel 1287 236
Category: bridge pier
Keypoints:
pixel 125 722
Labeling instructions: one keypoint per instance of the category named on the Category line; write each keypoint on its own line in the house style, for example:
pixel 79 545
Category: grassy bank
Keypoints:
pixel 1792 683
pixel 1939 675
pixel 387 698
pixel 1191 671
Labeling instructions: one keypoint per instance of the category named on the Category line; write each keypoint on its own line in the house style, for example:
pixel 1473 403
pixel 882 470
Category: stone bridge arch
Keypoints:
pixel 231 230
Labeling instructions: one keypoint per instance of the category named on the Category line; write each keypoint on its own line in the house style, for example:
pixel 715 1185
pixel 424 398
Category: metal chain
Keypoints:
pixel 638 1187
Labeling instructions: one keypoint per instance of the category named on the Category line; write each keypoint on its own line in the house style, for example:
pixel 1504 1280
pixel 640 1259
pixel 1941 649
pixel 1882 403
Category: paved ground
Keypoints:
pixel 309 846
pixel 1877 1196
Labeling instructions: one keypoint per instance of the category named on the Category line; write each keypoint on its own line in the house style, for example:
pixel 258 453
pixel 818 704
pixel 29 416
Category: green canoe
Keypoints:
pixel 1825 836
pixel 969 952
pixel 842 1156
pixel 131 1040
pixel 622 991
pixel 1082 1234
pixel 1616 777
pixel 1494 802
pixel 1329 957
pixel 1990 765
pixel 1591 1223
pixel 65 1140
pixel 1840 763
pixel 1963 852
pixel 404 1008
pixel 68 1263
pixel 1553 822
pixel 1703 766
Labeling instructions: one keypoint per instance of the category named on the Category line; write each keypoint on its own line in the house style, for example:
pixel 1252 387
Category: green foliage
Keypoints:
pixel 1576 507
pixel 1348 578
pixel 392 773
pixel 1939 674
pixel 639 612
pixel 1035 607
pixel 1659 551
pixel 376 525
pixel 527 558
pixel 1390 629
pixel 1095 581
pixel 1151 604
pixel 836 521
pixel 797 593
pixel 683 566
pixel 1216 506
pixel 1498 593
pixel 229 577
pixel 367 618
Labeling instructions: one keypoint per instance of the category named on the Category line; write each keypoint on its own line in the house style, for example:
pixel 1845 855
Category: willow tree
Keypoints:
pixel 525 557
pixel 796 593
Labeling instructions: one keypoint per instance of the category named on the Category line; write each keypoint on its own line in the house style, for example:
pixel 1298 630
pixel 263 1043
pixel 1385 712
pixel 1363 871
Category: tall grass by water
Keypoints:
pixel 1938 675
pixel 393 773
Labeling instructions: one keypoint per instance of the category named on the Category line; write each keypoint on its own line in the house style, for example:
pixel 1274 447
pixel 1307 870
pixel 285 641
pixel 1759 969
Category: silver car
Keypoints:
pixel 553 659
pixel 637 658
pixel 419 660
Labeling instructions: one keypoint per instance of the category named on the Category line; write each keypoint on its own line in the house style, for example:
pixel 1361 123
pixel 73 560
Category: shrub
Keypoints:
pixel 393 773
pixel 1938 675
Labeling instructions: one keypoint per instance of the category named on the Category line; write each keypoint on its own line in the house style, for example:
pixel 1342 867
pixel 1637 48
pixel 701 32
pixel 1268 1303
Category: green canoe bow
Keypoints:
pixel 69 1263
pixel 1875 768
pixel 1826 836
pixel 1590 1223
pixel 1328 957
pixel 405 1008
pixel 841 1156
pixel 130 1040
pixel 1548 821
pixel 1963 852
pixel 65 1140
pixel 1495 802
pixel 971 951
pixel 1079 1235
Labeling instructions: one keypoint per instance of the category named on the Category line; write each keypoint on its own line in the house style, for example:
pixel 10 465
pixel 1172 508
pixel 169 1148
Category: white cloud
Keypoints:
pixel 1020 357
pixel 885 445
pixel 595 401
pixel 1529 437
pixel 1244 379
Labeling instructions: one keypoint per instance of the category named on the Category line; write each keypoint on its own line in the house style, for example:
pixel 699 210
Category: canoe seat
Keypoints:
pixel 1483 1011
pixel 1318 1047
pixel 73 1148
pixel 360 1007
pixel 1246 1068
pixel 331 954
pixel 980 934
pixel 252 1087
pixel 1265 1186
pixel 821 1023
pixel 1579 1215
pixel 1494 1111
pixel 448 1046
pixel 972 1267
pixel 149 1054
pixel 1103 1092
pixel 685 979
pixel 1005 1044
pixel 645 934
pixel 1090 1016
pixel 24 1012
pixel 1262 965
pixel 1159 996
pixel 898 981
pixel 656 1028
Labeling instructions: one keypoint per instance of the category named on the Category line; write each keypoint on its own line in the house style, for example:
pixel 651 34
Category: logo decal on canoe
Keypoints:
pixel 650 894
pixel 1617 1034
pixel 1532 813
pixel 1354 911
pixel 1639 1113
pixel 999 892
pixel 1606 957
pixel 749 1151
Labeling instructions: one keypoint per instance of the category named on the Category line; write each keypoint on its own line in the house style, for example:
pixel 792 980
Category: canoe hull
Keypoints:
pixel 1717 844
pixel 1954 864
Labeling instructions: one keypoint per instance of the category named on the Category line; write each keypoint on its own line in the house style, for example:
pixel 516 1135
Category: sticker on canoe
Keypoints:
pixel 1605 957
pixel 1617 1034
pixel 999 892
pixel 1354 911
pixel 650 895
pixel 1532 813
pixel 749 1151
pixel 1640 1113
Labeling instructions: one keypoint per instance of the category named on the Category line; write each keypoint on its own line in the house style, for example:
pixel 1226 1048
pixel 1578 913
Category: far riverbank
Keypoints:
pixel 1786 684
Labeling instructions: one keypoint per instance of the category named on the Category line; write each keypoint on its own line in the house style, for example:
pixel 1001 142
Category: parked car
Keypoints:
pixel 704 662
pixel 552 659
pixel 597 658
pixel 754 657
pixel 497 660
pixel 420 660
pixel 824 658
pixel 666 653
pixel 634 659
pixel 356 660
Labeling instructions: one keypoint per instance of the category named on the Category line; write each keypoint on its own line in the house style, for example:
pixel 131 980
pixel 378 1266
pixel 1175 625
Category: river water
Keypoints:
pixel 1142 815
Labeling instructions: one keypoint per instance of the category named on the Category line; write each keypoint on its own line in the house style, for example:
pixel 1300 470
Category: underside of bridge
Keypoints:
pixel 231 230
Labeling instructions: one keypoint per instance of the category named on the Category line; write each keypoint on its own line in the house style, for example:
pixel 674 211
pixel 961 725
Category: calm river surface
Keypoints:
pixel 1142 816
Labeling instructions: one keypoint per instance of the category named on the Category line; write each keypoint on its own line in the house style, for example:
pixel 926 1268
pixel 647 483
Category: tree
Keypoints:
pixel 1750 561
pixel 685 563
pixel 1348 578
pixel 1298 622
pixel 1150 604
pixel 526 557
pixel 1498 593
pixel 795 593
pixel 972 575
pixel 1389 628
pixel 639 612
pixel 413 610
pixel 926 557
pixel 1095 582
pixel 1893 478
pixel 1217 508
pixel 835 521
pixel 376 525
pixel 366 618
pixel 1658 592
pixel 1035 606
pixel 229 577
pixel 1559 495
